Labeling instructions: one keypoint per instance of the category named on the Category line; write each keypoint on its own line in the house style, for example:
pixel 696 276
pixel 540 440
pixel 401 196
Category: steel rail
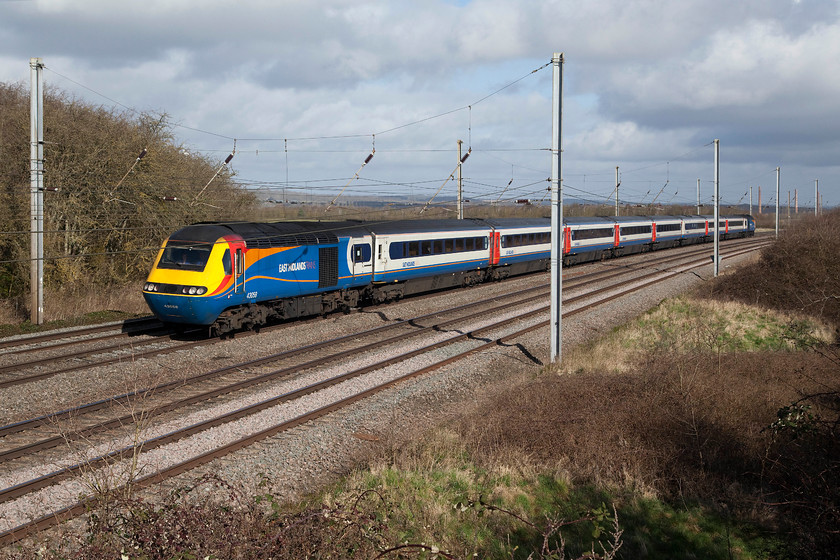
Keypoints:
pixel 83 331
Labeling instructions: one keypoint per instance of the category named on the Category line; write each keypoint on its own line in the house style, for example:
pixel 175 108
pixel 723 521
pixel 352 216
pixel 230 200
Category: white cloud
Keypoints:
pixel 644 79
pixel 743 66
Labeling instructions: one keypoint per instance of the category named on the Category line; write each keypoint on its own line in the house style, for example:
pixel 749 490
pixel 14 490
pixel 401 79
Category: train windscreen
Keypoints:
pixel 184 255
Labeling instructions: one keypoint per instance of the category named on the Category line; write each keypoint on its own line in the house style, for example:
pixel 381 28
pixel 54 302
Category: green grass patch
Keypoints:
pixel 692 325
pixel 449 502
pixel 654 529
pixel 689 325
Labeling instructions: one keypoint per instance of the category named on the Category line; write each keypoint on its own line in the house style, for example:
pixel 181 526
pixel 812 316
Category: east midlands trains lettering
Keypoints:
pixel 295 267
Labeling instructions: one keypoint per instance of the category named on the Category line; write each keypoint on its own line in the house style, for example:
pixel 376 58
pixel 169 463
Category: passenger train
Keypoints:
pixel 232 276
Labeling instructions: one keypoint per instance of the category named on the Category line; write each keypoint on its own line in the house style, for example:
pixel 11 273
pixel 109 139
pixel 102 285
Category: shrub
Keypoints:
pixel 799 272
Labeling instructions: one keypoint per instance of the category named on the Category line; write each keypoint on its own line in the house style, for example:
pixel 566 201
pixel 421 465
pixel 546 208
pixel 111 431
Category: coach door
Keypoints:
pixel 362 256
pixel 495 246
pixel 379 246
pixel 238 268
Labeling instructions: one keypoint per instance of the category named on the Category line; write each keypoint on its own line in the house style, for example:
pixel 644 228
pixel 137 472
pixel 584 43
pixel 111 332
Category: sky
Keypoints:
pixel 303 91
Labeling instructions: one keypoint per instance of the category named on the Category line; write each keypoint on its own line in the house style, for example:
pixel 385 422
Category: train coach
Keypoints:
pixel 239 275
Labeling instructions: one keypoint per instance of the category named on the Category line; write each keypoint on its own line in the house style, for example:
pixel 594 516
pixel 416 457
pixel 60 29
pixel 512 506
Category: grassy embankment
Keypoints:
pixel 704 429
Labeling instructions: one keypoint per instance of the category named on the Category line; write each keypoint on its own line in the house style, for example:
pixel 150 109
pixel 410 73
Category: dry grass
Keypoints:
pixel 72 302
pixel 681 426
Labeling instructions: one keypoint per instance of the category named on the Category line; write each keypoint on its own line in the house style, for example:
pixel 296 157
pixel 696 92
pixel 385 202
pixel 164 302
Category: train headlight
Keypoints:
pixel 192 290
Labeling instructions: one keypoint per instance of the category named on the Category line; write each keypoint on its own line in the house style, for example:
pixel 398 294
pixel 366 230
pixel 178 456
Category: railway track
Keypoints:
pixel 76 353
pixel 23 344
pixel 487 332
pixel 160 389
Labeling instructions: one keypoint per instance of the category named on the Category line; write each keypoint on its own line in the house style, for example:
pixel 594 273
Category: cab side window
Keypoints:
pixel 226 262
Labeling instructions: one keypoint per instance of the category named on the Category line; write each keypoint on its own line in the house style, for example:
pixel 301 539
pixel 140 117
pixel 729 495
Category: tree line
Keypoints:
pixel 103 224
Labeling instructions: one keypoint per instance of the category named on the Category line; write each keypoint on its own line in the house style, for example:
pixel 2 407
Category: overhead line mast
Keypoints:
pixel 36 199
pixel 556 211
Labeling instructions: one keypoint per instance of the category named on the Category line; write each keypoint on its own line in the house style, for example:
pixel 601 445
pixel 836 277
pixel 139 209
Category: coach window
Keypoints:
pixel 438 246
pixel 459 245
pixel 413 248
pixel 667 227
pixel 635 230
pixel 450 245
pixel 426 247
pixel 598 233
